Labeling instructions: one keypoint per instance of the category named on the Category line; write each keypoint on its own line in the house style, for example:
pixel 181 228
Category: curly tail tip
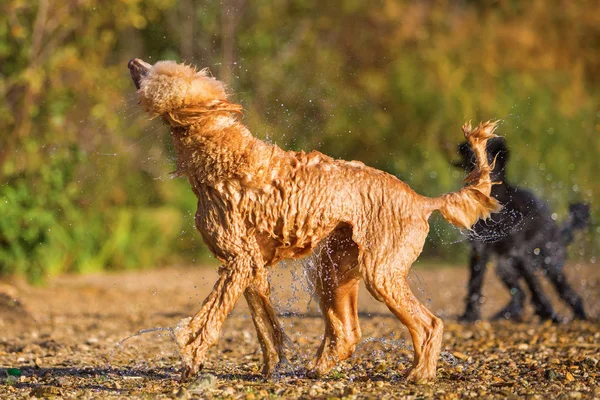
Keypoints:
pixel 477 138
pixel 579 218
pixel 579 213
pixel 466 206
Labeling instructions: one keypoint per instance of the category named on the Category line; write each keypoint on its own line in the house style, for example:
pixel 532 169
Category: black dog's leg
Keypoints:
pixel 557 277
pixel 543 306
pixel 510 276
pixel 479 259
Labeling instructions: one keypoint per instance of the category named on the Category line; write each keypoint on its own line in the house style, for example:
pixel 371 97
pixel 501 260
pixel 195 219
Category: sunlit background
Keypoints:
pixel 85 183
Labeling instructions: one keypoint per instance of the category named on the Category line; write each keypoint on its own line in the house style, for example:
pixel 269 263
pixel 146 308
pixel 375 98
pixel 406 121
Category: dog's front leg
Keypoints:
pixel 196 335
pixel 478 263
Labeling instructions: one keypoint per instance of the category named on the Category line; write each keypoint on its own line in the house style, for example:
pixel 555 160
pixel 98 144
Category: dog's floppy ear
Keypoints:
pixel 466 154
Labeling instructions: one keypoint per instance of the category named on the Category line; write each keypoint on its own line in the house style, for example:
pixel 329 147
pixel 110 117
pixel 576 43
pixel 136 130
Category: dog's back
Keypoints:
pixel 525 221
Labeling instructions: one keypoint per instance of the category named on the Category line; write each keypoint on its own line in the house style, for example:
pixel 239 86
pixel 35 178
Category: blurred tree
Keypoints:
pixel 66 150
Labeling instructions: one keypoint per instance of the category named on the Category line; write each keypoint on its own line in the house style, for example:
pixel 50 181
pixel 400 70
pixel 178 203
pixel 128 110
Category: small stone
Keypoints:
pixel 11 380
pixel 575 395
pixel 590 361
pixel 350 390
pixel 202 383
pixel 381 367
pixel 550 374
pixel 228 391
pixel 45 392
pixel 182 393
pixel 62 381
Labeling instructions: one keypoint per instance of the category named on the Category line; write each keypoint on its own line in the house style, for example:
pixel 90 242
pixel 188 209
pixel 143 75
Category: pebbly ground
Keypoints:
pixel 64 340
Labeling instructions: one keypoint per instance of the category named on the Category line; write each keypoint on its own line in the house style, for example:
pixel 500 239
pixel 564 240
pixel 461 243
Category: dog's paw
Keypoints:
pixel 313 373
pixel 420 375
pixel 190 371
pixel 318 367
pixel 469 317
pixel 557 319
pixel 508 315
pixel 281 369
pixel 580 317
pixel 183 338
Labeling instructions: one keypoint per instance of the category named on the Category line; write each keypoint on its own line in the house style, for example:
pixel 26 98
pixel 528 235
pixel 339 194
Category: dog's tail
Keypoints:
pixel 466 206
pixel 578 219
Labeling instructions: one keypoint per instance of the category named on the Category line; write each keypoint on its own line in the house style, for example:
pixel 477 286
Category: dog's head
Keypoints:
pixel 496 150
pixel 167 87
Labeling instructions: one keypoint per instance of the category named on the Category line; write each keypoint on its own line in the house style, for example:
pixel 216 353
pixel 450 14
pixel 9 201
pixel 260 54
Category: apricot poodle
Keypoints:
pixel 259 204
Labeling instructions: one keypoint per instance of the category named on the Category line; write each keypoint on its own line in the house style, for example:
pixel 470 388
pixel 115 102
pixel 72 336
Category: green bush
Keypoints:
pixel 44 230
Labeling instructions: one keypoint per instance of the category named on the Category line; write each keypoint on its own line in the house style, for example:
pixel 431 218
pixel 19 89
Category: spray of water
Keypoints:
pixel 119 345
pixel 502 224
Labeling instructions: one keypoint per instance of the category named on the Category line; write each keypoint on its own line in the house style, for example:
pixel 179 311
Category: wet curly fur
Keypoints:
pixel 524 238
pixel 259 204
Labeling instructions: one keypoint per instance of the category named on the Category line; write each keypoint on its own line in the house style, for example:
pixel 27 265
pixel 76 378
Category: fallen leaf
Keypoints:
pixel 569 376
pixel 461 356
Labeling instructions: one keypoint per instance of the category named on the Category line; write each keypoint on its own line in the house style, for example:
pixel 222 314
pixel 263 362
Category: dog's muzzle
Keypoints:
pixel 138 70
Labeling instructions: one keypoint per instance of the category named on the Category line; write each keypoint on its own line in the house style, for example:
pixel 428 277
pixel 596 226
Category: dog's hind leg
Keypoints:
pixel 541 303
pixel 387 283
pixel 271 336
pixel 336 281
pixel 510 277
pixel 557 276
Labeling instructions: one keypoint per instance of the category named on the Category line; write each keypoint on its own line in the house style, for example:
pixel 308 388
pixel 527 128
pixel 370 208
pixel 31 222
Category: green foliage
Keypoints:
pixel 77 193
pixel 33 207
pixel 45 231
pixel 84 175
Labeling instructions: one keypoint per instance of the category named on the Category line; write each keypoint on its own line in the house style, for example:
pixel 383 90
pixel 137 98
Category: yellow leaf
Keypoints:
pixel 460 355
pixel 569 376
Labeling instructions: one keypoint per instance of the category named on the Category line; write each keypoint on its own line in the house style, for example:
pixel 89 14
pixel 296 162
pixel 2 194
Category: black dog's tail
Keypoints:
pixel 579 217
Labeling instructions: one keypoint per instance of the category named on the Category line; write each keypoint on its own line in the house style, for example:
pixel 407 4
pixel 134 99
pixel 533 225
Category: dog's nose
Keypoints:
pixel 138 70
pixel 132 63
pixel 140 65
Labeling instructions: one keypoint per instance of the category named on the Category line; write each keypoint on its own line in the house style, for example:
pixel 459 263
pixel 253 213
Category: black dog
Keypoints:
pixel 524 237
